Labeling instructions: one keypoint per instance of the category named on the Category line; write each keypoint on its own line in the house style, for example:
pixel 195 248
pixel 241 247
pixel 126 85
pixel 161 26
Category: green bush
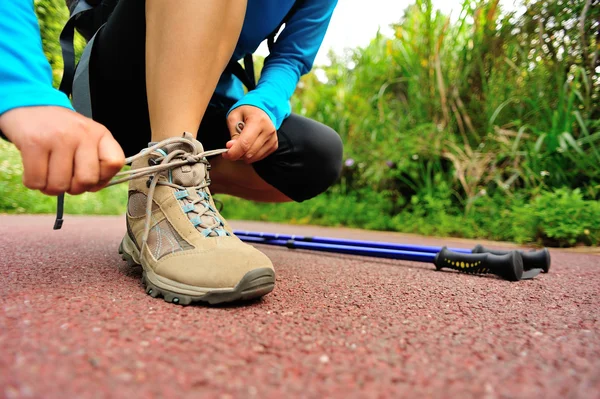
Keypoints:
pixel 558 218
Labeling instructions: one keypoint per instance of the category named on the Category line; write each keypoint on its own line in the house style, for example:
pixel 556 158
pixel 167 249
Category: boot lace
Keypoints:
pixel 159 174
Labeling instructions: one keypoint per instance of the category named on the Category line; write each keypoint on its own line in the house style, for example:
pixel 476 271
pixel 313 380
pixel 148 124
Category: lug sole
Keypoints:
pixel 255 284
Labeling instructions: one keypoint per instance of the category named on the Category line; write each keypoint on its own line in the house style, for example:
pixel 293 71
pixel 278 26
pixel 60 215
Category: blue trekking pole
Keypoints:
pixel 539 259
pixel 506 264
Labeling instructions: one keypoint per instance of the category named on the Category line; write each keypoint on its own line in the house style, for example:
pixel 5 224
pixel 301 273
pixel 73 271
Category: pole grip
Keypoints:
pixel 508 266
pixel 539 259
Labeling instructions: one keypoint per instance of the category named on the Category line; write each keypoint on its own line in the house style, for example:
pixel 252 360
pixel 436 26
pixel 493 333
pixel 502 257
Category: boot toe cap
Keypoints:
pixel 219 267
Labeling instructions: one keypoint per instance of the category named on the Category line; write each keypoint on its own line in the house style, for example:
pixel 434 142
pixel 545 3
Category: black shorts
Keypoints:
pixel 309 157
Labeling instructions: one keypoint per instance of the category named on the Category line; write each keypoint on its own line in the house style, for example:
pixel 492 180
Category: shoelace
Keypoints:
pixel 153 171
pixel 174 159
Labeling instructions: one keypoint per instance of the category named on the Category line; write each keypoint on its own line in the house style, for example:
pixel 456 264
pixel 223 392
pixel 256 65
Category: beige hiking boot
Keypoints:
pixel 174 231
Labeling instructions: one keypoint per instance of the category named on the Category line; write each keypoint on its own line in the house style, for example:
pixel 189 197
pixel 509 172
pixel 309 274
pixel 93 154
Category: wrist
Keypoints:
pixel 248 102
pixel 4 134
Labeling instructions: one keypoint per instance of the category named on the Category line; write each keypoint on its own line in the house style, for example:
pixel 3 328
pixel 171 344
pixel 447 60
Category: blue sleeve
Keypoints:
pixel 292 56
pixel 25 74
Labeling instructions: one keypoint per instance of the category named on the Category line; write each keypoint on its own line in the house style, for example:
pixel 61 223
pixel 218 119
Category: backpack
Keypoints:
pixel 87 17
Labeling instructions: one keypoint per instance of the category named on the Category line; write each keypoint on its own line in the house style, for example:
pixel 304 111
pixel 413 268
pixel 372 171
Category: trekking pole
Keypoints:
pixel 508 266
pixel 536 259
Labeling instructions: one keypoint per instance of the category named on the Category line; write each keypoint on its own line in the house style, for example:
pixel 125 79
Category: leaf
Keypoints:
pixel 539 142
pixel 571 141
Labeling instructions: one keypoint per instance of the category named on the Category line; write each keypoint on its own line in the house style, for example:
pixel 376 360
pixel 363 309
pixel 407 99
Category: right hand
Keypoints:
pixel 62 151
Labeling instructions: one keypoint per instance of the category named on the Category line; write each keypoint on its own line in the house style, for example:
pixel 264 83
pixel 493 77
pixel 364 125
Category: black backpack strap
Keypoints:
pixel 249 68
pixel 295 7
pixel 238 71
pixel 246 74
pixel 66 43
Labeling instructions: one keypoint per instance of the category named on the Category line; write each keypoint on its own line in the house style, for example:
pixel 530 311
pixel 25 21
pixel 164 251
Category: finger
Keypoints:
pixel 60 170
pixel 244 142
pixel 235 123
pixel 35 168
pixel 257 146
pixel 111 157
pixel 87 167
pixel 268 148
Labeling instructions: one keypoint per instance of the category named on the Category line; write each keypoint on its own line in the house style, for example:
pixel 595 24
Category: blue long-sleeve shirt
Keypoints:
pixel 26 77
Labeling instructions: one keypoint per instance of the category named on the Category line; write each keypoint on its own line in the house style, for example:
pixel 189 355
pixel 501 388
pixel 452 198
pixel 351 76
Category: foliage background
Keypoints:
pixel 485 125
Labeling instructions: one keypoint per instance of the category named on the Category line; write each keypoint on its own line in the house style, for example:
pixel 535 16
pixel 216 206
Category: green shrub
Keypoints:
pixel 558 218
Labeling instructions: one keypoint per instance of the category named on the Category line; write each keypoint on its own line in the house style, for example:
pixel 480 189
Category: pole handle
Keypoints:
pixel 539 259
pixel 508 266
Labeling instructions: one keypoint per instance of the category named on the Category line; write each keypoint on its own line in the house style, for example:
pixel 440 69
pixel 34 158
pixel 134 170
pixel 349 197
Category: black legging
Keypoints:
pixel 309 157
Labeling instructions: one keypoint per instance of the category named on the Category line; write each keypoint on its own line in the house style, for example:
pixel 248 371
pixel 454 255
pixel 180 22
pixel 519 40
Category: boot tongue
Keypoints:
pixel 187 175
pixel 190 176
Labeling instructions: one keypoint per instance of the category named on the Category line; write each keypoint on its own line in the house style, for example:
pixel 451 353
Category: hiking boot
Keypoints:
pixel 187 250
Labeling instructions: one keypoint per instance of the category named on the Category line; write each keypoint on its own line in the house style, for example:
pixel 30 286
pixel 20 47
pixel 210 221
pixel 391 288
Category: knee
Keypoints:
pixel 308 162
pixel 324 155
pixel 329 157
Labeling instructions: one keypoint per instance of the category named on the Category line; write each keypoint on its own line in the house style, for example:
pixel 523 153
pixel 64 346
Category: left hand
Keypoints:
pixel 256 141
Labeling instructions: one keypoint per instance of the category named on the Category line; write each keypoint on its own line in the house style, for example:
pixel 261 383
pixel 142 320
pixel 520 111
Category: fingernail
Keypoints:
pixel 248 156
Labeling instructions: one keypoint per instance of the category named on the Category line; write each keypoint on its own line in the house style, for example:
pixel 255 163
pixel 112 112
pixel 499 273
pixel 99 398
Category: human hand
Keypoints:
pixel 62 151
pixel 256 141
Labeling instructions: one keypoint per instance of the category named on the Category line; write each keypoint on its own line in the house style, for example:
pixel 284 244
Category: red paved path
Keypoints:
pixel 75 322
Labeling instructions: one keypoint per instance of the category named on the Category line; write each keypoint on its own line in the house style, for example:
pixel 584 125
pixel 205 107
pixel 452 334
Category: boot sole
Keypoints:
pixel 255 284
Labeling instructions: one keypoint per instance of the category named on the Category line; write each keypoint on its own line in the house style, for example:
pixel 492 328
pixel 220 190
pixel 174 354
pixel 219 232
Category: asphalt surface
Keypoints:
pixel 76 323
